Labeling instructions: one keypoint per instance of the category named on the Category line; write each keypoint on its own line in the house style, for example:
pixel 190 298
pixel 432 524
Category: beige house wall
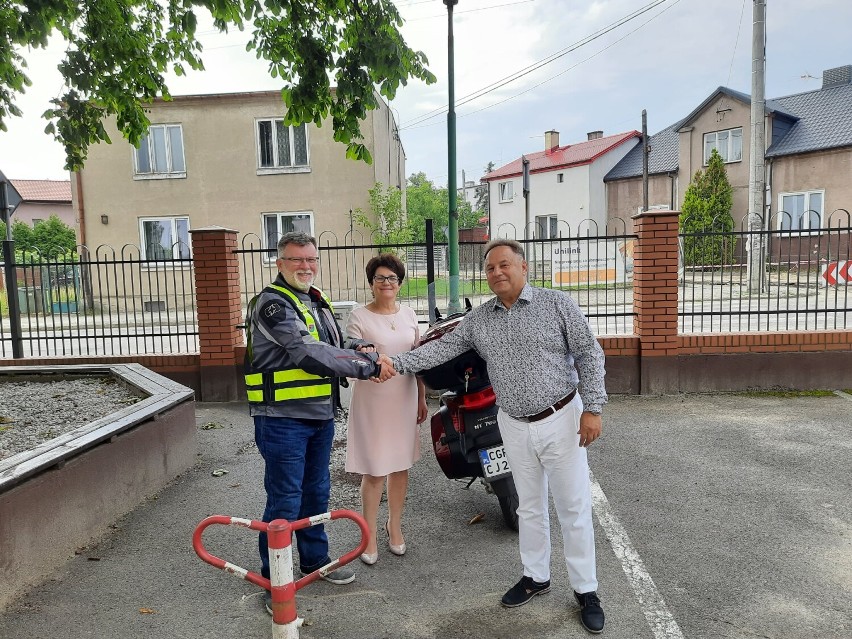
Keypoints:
pixel 222 185
pixel 723 113
pixel 829 171
pixel 624 198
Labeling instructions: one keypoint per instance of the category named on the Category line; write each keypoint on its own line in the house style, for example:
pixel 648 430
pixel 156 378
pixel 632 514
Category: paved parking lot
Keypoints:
pixel 716 517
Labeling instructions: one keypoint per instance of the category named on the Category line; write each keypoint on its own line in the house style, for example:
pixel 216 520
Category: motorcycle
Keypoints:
pixel 465 436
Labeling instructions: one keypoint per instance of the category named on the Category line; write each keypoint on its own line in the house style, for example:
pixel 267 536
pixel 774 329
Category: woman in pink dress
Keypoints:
pixel 382 440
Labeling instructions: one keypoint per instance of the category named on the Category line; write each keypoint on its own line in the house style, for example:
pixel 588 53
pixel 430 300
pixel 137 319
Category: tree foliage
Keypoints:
pixel 49 238
pixel 705 217
pixel 386 219
pixel 482 203
pixel 119 50
pixel 425 200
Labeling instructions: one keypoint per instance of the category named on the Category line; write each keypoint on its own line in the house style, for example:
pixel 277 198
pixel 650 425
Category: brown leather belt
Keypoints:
pixel 547 412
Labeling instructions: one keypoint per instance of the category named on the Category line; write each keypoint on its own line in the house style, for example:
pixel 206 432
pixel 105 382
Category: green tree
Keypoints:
pixel 482 204
pixel 386 220
pixel 705 217
pixel 119 50
pixel 49 238
pixel 424 200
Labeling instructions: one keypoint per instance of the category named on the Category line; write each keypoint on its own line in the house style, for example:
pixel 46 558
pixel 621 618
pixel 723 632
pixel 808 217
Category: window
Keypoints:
pixel 801 211
pixel 280 146
pixel 560 178
pixel 545 227
pixel 160 153
pixel 506 191
pixel 277 224
pixel 728 143
pixel 164 238
pixel 37 221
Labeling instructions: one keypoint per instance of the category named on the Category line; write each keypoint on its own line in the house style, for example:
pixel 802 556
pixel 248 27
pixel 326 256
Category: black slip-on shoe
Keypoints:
pixel 591 613
pixel 523 591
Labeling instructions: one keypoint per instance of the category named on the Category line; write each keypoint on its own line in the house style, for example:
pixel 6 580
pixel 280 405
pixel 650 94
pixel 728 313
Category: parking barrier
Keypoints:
pixel 285 621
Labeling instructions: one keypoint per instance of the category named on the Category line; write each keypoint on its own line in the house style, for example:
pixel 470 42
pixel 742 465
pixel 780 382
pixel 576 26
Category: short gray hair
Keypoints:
pixel 516 247
pixel 294 237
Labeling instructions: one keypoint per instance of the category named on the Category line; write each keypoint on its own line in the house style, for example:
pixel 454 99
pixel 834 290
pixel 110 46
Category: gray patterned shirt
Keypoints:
pixel 530 350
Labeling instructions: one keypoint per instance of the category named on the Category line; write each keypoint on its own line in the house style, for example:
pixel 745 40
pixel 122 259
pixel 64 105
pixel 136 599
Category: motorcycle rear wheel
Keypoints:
pixel 509 508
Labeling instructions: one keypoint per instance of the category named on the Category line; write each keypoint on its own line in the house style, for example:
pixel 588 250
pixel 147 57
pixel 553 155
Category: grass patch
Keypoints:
pixel 787 393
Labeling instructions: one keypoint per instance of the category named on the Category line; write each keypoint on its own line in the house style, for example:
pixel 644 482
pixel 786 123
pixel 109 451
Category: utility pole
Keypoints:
pixel 756 208
pixel 453 232
pixel 525 186
pixel 646 148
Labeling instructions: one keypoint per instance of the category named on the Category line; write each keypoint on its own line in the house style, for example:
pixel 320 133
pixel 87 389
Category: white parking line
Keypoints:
pixel 653 606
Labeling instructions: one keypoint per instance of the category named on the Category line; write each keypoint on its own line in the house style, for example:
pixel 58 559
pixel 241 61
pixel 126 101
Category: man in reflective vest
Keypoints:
pixel 294 359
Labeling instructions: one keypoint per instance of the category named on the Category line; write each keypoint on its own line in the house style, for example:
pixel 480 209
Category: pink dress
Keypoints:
pixel 382 433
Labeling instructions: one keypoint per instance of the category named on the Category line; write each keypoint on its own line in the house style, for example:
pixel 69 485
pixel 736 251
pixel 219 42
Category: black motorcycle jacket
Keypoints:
pixel 294 356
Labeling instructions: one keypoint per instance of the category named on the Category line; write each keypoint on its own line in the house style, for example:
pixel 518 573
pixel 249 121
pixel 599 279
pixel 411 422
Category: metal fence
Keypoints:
pixel 596 269
pixel 796 279
pixel 113 302
pixel 101 302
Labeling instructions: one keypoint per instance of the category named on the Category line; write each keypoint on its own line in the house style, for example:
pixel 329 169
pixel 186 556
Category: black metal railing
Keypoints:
pixel 101 302
pixel 773 276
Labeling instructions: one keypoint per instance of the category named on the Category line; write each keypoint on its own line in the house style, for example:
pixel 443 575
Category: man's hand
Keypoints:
pixel 365 348
pixel 387 371
pixel 590 428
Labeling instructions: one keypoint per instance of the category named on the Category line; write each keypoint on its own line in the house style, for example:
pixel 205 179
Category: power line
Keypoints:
pixel 535 66
pixel 553 77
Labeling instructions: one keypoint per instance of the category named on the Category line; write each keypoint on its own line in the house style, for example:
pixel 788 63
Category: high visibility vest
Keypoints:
pixel 288 384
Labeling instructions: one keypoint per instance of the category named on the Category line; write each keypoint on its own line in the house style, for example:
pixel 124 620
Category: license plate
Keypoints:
pixel 494 462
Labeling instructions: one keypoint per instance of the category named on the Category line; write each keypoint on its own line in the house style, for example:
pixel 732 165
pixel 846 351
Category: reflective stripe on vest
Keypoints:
pixel 291 383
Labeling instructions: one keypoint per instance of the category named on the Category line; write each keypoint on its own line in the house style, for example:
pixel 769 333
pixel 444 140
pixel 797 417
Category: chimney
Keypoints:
pixel 837 76
pixel 595 135
pixel 551 141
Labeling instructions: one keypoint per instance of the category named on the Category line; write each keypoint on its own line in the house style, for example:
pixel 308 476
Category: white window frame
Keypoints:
pixel 546 227
pixel 278 168
pixel 176 245
pixel 272 254
pixel 713 138
pixel 787 222
pixel 506 191
pixel 171 155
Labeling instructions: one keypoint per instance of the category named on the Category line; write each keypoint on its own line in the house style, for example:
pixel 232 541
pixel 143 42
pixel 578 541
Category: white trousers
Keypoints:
pixel 548 451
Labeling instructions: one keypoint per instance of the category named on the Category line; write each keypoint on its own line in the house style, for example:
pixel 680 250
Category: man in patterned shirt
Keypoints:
pixel 531 339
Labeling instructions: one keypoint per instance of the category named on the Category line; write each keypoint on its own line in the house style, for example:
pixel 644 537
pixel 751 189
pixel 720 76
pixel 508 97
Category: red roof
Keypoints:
pixel 43 190
pixel 563 156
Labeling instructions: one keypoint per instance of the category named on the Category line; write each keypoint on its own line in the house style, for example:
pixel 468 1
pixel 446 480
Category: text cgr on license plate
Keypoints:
pixel 494 462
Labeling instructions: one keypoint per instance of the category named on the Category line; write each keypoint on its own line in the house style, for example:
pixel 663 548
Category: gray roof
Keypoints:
pixel 819 120
pixel 663 157
pixel 824 121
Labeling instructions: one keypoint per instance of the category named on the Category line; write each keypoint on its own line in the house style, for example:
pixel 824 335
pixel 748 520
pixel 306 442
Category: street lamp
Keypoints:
pixel 453 235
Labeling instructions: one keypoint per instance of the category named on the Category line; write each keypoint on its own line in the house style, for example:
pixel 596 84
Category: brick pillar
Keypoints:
pixel 218 308
pixel 655 293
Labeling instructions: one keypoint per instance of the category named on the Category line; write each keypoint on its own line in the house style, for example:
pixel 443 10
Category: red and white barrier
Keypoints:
pixel 285 621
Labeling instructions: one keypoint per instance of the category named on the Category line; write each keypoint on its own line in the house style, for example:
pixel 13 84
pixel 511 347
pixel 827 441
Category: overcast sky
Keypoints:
pixel 666 60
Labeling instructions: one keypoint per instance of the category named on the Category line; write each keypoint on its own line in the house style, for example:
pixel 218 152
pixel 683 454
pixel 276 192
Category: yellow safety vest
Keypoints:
pixel 291 383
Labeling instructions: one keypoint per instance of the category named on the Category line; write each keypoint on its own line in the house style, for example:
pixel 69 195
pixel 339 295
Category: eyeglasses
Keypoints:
pixel 381 279
pixel 301 260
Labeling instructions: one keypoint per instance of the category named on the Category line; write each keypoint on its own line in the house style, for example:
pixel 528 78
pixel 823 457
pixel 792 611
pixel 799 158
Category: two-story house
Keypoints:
pixel 229 160
pixel 808 156
pixel 566 188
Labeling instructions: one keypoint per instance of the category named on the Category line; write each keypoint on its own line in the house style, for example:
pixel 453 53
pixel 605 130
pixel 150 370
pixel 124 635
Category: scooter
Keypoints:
pixel 465 436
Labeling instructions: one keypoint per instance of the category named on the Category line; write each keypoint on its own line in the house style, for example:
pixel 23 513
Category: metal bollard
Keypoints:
pixel 285 621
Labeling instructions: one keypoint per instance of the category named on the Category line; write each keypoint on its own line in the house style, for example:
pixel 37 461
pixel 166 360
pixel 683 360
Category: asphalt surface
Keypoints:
pixel 716 517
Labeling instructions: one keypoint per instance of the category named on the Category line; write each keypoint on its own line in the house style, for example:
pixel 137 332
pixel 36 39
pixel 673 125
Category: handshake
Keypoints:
pixel 387 370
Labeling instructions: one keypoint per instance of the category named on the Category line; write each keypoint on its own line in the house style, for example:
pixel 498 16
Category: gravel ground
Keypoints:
pixel 33 412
